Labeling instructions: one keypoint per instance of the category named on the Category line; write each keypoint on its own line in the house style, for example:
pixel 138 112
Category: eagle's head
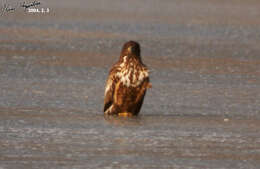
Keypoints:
pixel 131 49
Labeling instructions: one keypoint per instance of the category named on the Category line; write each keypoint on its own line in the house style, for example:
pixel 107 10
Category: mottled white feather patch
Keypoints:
pixel 123 63
pixel 108 86
pixel 125 75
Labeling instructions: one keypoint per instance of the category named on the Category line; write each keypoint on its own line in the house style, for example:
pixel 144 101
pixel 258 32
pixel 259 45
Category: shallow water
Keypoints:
pixel 202 111
pixel 75 140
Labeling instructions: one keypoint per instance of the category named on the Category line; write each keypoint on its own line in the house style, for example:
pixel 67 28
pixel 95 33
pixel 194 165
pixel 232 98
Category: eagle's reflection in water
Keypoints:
pixel 124 120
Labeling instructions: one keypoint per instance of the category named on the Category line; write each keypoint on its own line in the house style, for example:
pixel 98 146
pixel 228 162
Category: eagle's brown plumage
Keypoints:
pixel 127 82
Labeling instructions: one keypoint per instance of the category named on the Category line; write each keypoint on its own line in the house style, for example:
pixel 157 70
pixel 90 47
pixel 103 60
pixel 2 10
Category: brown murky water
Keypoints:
pixel 202 112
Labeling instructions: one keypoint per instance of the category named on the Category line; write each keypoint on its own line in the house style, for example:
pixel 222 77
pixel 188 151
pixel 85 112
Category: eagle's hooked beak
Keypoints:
pixel 133 50
pixel 130 49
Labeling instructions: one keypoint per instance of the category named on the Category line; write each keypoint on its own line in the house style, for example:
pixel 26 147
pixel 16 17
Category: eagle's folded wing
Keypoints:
pixel 109 90
pixel 140 97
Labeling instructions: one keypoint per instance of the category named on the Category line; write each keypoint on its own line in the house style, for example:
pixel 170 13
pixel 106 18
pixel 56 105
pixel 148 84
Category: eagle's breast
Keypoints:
pixel 131 73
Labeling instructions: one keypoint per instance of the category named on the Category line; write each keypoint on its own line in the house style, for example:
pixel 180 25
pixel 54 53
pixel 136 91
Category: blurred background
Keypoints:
pixel 204 66
pixel 203 56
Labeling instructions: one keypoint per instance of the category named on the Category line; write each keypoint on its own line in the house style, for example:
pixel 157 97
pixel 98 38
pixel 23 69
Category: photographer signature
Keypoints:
pixel 8 8
pixel 34 3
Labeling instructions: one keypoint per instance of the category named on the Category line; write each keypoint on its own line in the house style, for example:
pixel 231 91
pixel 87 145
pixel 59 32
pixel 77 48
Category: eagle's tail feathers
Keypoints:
pixel 110 110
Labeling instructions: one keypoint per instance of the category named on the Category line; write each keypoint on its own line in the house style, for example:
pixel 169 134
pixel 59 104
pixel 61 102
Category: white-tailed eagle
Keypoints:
pixel 127 83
